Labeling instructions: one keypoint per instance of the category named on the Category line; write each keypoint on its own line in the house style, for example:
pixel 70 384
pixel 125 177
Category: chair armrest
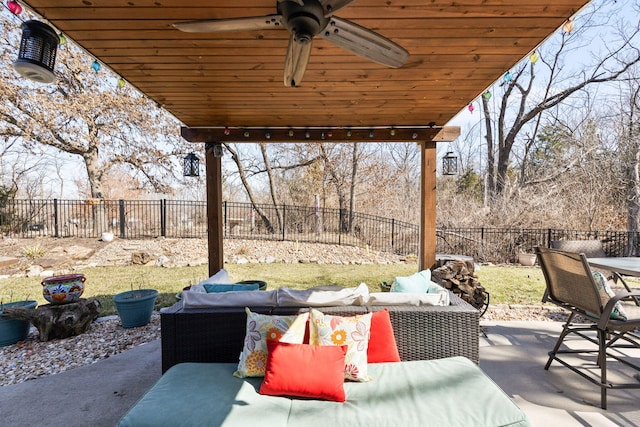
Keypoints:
pixel 606 313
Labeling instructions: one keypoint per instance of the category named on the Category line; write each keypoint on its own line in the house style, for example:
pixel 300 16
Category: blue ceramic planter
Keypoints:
pixel 135 307
pixel 11 330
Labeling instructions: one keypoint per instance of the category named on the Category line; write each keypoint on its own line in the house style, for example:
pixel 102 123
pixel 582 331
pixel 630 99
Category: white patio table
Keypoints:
pixel 623 265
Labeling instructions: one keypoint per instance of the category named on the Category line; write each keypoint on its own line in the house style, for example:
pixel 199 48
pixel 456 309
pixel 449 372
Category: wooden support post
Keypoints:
pixel 214 206
pixel 427 248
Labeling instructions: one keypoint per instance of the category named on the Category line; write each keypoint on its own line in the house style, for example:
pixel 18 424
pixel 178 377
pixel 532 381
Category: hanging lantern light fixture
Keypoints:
pixel 450 164
pixel 191 165
pixel 37 55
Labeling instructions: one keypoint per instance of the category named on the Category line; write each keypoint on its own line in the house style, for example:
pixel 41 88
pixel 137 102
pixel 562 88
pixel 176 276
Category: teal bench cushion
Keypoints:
pixel 417 393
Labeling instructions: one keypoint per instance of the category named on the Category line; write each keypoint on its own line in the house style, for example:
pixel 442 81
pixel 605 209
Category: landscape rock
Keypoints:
pixel 51 262
pixel 140 258
pixel 164 261
pixel 6 261
pixel 33 271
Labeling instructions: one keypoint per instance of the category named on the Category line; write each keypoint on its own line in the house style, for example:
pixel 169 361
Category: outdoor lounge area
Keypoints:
pixel 383 72
pixel 512 354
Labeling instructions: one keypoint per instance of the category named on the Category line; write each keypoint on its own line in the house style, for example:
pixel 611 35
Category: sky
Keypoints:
pixel 592 42
pixel 465 119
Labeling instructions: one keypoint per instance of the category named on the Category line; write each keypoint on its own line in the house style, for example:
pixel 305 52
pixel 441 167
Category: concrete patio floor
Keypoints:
pixel 513 354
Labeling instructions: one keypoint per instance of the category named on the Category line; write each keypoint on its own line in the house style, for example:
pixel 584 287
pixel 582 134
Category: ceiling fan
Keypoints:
pixel 305 19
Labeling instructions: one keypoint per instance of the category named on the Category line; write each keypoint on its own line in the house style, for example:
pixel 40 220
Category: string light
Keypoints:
pixel 415 135
pixel 96 66
pixel 63 40
pixel 227 131
pixel 246 134
pixel 349 133
pixel 14 7
pixel 534 57
pixel 487 95
pixel 291 132
pixel 267 135
pixel 567 27
pixel 121 82
pixel 307 134
pixel 370 134
pixel 392 132
pixel 508 77
pixel 471 108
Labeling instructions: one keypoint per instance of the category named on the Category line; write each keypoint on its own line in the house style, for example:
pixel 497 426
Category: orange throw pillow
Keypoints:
pixel 303 370
pixel 382 342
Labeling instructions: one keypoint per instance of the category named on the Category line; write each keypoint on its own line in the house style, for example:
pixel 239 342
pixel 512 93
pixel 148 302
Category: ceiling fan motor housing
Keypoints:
pixel 303 21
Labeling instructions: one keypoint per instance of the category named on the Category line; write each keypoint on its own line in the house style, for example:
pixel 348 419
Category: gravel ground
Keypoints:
pixel 32 359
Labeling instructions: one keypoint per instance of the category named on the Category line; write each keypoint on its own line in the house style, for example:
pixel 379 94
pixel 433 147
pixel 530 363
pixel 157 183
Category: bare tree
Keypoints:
pixel 546 81
pixel 87 114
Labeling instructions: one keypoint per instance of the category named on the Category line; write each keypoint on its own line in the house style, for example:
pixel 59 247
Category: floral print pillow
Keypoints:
pixel 606 293
pixel 352 331
pixel 263 327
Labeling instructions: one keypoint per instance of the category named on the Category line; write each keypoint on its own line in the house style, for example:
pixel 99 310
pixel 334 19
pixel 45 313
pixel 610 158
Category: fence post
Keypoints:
pixel 225 217
pixel 163 217
pixel 393 234
pixel 55 218
pixel 284 219
pixel 122 219
pixel 339 227
pixel 548 237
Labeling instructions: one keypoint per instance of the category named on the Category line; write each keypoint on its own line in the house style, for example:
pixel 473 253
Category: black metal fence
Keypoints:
pixel 139 219
pixel 504 244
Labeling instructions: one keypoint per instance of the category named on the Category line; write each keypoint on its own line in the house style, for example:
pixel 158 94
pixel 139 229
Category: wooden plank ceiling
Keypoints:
pixel 457 49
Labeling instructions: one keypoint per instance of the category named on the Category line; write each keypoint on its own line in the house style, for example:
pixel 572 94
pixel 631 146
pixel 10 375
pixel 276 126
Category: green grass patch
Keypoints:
pixel 513 285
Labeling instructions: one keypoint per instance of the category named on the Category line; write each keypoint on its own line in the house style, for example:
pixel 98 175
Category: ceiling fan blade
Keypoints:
pixel 331 6
pixel 296 62
pixel 364 42
pixel 232 24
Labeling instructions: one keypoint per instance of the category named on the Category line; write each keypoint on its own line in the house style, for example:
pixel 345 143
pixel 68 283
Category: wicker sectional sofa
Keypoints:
pixel 217 334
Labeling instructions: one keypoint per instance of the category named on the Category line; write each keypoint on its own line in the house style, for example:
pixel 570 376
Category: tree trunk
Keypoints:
pixel 491 161
pixel 272 186
pixel 352 187
pixel 633 177
pixel 247 187
pixel 58 321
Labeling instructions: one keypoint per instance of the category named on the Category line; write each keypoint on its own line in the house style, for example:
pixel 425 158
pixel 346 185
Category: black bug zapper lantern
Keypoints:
pixel 191 165
pixel 450 164
pixel 37 55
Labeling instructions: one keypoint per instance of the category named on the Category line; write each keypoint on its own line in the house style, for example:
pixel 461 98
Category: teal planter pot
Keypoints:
pixel 262 285
pixel 12 331
pixel 135 307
